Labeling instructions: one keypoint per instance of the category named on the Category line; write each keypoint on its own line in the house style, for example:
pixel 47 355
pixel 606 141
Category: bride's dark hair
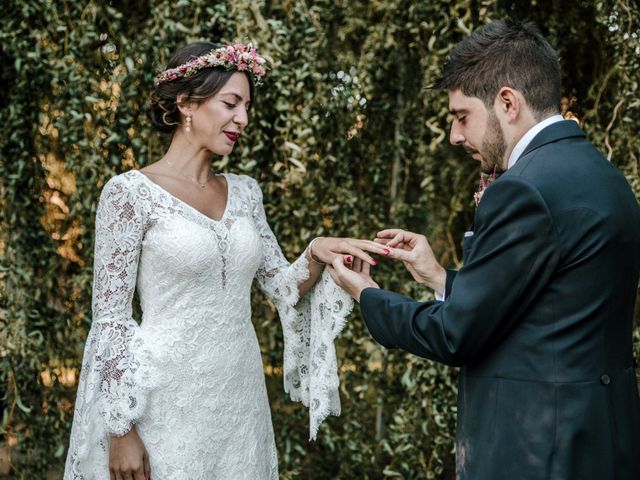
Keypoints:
pixel 163 109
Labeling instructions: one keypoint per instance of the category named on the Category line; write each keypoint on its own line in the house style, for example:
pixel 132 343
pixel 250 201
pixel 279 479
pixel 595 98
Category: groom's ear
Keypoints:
pixel 509 104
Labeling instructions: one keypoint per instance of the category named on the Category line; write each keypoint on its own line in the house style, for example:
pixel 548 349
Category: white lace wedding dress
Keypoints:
pixel 190 376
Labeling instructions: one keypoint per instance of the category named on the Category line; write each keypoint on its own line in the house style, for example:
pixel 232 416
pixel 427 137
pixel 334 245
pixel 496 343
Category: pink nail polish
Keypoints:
pixel 349 259
pixel 373 262
pixel 387 251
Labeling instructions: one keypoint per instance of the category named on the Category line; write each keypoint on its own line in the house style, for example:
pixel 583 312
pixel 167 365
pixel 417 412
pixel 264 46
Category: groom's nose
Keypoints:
pixel 455 135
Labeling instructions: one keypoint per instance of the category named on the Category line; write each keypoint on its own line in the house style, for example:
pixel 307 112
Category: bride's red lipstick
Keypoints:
pixel 233 136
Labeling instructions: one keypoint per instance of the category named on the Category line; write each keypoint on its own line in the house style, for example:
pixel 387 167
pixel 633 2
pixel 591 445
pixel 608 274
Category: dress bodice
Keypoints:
pixel 190 262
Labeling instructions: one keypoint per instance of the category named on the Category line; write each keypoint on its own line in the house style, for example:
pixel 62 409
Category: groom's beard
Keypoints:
pixel 493 147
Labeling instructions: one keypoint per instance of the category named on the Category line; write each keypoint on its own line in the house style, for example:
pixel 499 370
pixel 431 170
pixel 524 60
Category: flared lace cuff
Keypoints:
pixel 310 328
pixel 117 368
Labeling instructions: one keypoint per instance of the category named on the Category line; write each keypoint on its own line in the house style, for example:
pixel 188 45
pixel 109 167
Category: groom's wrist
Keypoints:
pixel 437 281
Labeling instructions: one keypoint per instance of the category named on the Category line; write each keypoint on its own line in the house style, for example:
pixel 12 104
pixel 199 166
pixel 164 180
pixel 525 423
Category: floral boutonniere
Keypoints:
pixel 485 181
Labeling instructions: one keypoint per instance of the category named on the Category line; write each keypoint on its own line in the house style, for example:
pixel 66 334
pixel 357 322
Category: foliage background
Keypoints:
pixel 344 140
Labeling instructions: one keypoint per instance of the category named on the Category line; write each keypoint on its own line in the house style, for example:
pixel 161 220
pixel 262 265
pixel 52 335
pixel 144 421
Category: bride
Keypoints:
pixel 182 395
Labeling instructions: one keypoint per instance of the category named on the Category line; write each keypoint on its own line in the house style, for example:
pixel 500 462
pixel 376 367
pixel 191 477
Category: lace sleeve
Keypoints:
pixel 310 325
pixel 113 380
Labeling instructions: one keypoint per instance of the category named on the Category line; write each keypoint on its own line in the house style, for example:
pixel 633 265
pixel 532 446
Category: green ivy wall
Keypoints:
pixel 344 139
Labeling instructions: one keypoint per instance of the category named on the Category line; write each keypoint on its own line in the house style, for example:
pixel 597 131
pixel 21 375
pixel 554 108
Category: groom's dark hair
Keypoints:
pixel 505 53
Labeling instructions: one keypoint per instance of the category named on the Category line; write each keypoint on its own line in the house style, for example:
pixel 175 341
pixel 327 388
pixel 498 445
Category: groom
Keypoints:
pixel 540 316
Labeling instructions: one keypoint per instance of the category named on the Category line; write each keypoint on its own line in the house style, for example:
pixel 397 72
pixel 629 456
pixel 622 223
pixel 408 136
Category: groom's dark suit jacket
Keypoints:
pixel 540 319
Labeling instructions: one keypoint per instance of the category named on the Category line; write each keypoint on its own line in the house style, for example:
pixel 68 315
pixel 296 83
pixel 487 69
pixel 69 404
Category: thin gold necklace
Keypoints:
pixel 200 184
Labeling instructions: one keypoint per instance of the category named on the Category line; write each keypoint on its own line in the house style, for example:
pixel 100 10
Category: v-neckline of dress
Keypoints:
pixel 189 206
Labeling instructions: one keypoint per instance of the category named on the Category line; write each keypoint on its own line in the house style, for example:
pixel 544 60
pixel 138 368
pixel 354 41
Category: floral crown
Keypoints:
pixel 240 57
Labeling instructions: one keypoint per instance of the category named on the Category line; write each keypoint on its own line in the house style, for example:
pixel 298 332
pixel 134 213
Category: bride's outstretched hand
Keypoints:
pixel 326 249
pixel 353 279
pixel 416 254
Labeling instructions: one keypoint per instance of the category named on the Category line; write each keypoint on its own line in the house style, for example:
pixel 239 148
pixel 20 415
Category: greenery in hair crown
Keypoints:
pixel 238 56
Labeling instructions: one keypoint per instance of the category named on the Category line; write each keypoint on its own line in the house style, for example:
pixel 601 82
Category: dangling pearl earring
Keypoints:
pixel 187 127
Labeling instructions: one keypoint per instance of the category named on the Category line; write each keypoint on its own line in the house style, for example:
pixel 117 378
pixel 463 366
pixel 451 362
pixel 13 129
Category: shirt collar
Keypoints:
pixel 522 144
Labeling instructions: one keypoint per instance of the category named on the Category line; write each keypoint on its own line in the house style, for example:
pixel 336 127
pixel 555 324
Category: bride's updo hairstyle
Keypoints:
pixel 163 109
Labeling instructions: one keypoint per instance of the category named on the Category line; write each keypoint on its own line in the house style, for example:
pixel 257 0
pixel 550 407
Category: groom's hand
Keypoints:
pixel 416 254
pixel 354 279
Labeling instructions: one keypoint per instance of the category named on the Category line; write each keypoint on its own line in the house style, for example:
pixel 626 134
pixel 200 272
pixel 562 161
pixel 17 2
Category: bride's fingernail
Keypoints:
pixel 348 258
pixel 373 262
pixel 387 251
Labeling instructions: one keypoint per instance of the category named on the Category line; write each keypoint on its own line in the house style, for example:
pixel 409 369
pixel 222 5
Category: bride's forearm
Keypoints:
pixel 315 270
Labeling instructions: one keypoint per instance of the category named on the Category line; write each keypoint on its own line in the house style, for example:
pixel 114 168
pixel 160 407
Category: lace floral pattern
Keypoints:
pixel 190 375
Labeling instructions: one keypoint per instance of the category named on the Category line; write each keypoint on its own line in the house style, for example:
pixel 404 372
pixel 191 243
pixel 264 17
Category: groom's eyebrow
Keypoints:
pixel 453 111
